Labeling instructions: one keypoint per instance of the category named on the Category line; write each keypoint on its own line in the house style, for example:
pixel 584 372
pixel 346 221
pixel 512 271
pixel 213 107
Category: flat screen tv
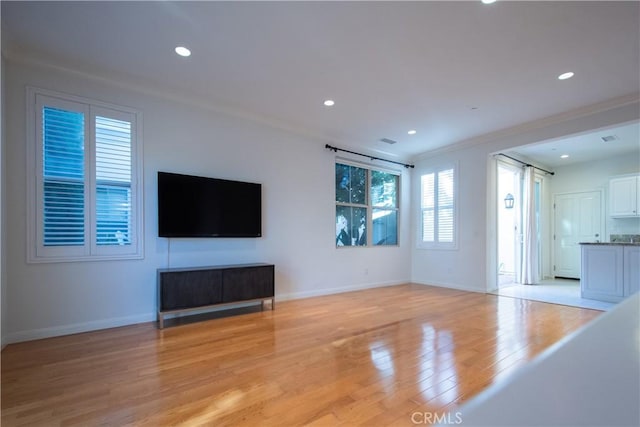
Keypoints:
pixel 195 206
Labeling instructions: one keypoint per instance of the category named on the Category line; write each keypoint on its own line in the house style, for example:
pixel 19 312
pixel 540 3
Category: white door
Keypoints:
pixel 577 218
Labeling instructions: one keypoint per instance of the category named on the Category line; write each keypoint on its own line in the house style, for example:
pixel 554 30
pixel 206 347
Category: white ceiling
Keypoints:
pixel 585 147
pixel 451 70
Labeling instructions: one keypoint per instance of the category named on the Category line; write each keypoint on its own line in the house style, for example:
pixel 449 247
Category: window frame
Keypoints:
pixel 436 244
pixel 37 252
pixel 369 206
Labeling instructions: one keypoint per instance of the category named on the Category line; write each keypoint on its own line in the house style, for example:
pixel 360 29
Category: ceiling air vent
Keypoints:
pixel 388 141
pixel 608 138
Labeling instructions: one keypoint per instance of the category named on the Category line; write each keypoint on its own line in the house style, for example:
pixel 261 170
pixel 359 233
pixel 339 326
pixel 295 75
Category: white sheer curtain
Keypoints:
pixel 529 275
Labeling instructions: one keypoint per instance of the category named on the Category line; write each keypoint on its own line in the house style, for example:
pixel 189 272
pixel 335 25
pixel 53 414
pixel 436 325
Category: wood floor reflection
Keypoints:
pixel 373 357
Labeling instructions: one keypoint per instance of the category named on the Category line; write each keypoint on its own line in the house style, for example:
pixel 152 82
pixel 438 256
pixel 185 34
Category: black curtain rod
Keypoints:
pixel 336 149
pixel 526 164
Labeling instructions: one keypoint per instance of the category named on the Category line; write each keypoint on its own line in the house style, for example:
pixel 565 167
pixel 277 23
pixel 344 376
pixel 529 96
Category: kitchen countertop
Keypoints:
pixel 612 243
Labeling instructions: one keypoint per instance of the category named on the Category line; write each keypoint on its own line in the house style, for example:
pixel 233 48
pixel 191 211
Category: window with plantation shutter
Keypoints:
pixel 445 206
pixel 85 179
pixel 438 208
pixel 113 181
pixel 63 177
pixel 428 208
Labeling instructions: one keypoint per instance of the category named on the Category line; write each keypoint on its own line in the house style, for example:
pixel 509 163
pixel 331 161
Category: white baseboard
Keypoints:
pixel 331 291
pixel 55 331
pixel 76 328
pixel 452 286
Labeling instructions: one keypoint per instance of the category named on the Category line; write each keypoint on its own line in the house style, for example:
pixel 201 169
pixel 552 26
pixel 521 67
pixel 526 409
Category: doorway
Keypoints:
pixel 510 181
pixel 509 223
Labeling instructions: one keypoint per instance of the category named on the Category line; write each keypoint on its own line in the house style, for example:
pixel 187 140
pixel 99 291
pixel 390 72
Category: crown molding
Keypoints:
pixel 136 84
pixel 12 54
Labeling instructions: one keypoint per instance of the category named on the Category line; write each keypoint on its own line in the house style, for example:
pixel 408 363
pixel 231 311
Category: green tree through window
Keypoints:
pixel 366 206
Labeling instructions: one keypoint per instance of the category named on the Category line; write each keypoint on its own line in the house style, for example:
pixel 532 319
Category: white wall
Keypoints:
pixel 3 281
pixel 595 176
pixel 297 174
pixel 456 268
pixel 472 265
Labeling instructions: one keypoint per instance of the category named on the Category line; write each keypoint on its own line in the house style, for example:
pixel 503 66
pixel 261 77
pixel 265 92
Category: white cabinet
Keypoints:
pixel 631 269
pixel 624 200
pixel 602 272
pixel 610 272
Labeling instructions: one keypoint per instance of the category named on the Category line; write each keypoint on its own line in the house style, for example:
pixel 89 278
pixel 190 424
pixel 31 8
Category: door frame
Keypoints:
pixel 553 220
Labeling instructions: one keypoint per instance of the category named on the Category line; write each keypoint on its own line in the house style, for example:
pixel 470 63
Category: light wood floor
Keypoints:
pixel 371 357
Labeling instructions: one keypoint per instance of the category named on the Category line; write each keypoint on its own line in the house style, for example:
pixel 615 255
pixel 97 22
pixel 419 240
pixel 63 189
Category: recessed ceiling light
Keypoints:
pixel 412 132
pixel 329 102
pixel 183 51
pixel 564 156
pixel 565 76
pixel 488 1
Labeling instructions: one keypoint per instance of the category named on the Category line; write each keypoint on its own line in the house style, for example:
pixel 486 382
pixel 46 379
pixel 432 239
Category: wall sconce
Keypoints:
pixel 508 201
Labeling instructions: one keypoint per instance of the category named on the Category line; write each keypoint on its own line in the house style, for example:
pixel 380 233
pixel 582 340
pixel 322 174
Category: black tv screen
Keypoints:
pixel 195 206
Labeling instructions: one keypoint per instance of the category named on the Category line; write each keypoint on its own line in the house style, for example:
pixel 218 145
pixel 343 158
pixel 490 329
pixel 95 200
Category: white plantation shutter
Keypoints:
pixel 428 207
pixel 83 180
pixel 113 181
pixel 438 207
pixel 63 177
pixel 445 206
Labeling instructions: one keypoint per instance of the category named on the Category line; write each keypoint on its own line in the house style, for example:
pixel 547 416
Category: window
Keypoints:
pixel 438 208
pixel 366 206
pixel 84 179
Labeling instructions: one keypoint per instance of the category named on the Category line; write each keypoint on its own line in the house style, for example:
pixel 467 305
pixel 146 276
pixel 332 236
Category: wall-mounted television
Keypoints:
pixel 196 206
